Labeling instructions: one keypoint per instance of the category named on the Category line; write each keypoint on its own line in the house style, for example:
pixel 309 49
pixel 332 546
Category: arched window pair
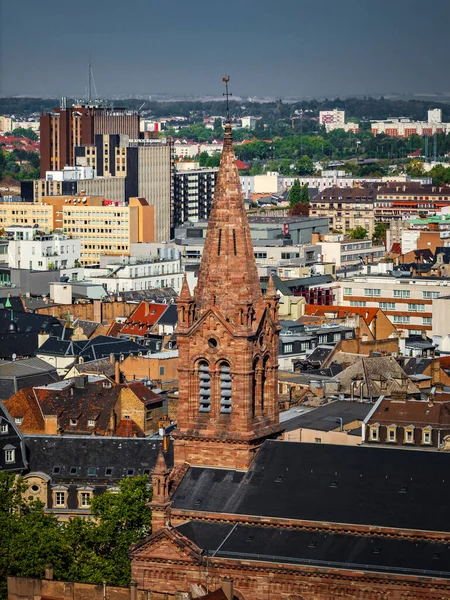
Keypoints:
pixel 226 392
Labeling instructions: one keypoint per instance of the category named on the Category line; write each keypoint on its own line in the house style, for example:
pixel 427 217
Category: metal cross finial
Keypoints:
pixel 225 80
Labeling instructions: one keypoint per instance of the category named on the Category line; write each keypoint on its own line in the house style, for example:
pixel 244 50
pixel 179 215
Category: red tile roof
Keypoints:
pixel 241 165
pixel 128 428
pixel 341 311
pixel 144 318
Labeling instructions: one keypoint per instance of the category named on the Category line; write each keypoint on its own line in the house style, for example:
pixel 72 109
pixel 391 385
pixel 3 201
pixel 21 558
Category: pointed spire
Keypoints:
pixel 185 293
pixel 161 465
pixel 271 291
pixel 228 275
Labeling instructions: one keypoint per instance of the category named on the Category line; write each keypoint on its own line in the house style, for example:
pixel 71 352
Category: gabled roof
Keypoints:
pixel 11 439
pixel 23 373
pixel 169 316
pixel 382 376
pixel 144 318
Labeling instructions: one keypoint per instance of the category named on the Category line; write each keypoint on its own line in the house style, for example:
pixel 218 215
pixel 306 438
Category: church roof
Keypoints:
pixel 327 483
pixel 228 273
pixel 318 548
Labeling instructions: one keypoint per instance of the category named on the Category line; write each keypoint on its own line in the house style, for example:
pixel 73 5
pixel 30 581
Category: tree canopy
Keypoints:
pixel 89 551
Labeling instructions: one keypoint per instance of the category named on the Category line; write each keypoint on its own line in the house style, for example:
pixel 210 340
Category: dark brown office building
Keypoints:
pixel 65 128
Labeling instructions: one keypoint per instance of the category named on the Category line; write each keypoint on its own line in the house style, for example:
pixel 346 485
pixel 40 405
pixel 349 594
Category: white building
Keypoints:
pixel 249 122
pixel 407 301
pixel 344 252
pixel 71 174
pixel 184 149
pixel 435 115
pixel 409 240
pixel 30 249
pixel 138 274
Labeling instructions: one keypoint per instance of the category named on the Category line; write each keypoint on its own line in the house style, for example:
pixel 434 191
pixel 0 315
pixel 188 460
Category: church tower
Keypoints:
pixel 227 341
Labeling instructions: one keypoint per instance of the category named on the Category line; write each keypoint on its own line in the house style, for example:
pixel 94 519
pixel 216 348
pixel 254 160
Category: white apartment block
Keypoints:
pixel 139 275
pixel 30 249
pixel 332 117
pixel 407 301
pixel 249 122
pixel 345 252
pixel 406 127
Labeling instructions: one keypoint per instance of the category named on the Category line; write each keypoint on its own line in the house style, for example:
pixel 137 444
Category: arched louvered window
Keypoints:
pixel 255 386
pixel 264 382
pixel 226 394
pixel 204 387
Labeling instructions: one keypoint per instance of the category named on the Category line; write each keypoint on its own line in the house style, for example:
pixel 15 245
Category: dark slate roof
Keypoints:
pixel 69 459
pixel 101 346
pixel 313 548
pixel 28 372
pixel 23 339
pixel 328 483
pixel 157 295
pixel 414 365
pixel 328 417
pixel 12 439
pixel 14 301
pixel 320 353
pixel 29 322
pixel 169 316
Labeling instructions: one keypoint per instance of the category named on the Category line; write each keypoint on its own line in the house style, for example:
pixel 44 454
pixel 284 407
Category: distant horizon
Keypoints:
pixel 291 49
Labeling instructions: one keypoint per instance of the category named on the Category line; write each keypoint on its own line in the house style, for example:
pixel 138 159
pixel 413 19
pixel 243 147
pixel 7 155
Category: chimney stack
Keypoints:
pixel 227 588
pixel 117 372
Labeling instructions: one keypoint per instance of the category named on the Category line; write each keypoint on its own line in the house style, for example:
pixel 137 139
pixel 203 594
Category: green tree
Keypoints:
pixel 99 548
pixel 359 233
pixel 415 168
pixel 379 233
pixel 203 158
pixel 29 538
pixel 25 132
pixel 440 174
pixel 295 194
pixel 304 195
pixel 304 166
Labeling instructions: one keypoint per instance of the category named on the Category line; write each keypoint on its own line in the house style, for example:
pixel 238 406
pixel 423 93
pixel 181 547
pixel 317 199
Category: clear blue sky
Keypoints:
pixel 270 47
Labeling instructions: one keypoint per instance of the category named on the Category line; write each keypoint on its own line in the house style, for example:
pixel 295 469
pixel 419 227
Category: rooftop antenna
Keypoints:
pixel 225 80
pixel 90 80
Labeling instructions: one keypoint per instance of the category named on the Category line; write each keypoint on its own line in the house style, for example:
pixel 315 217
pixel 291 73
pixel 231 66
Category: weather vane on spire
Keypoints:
pixel 225 80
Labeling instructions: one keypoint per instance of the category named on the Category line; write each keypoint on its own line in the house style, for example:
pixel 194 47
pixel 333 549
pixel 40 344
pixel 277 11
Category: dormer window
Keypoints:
pixel 374 433
pixel 18 420
pixel 91 423
pixel 409 435
pixel 4 428
pixel 426 436
pixel 10 455
pixel 73 422
pixel 392 434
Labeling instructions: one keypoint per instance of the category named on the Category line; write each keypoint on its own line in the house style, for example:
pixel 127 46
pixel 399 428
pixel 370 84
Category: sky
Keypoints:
pixel 275 48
